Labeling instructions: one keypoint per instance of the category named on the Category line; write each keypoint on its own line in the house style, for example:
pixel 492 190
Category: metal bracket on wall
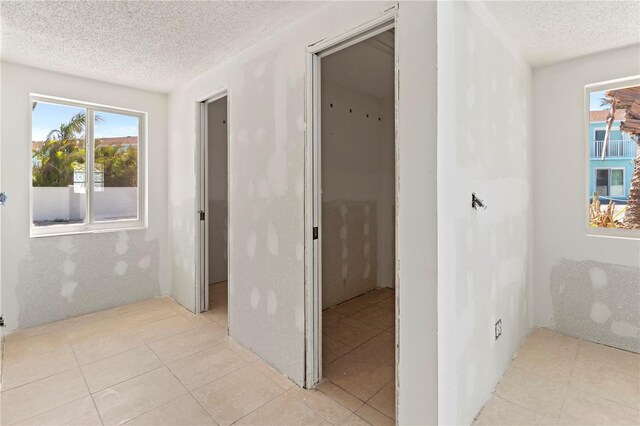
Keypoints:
pixel 1 321
pixel 3 198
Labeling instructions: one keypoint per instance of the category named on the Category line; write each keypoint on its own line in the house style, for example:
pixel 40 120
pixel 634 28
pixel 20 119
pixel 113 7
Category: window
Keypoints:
pixel 87 167
pixel 613 120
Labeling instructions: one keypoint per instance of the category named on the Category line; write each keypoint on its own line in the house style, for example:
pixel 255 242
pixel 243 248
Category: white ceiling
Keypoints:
pixel 159 45
pixel 154 45
pixel 552 31
pixel 366 66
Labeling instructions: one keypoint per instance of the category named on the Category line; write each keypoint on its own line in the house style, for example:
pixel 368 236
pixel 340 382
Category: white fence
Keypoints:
pixel 62 204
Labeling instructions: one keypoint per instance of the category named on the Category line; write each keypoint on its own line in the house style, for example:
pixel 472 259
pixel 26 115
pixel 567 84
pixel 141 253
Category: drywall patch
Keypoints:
pixel 81 276
pixel 597 301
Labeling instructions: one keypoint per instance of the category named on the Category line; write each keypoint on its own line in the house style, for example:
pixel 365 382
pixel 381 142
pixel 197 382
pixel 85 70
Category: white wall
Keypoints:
pixel 50 278
pixel 54 202
pixel 485 256
pixel 266 86
pixel 217 158
pixel 357 165
pixel 587 286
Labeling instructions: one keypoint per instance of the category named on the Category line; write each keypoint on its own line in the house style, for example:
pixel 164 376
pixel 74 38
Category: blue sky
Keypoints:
pixel 595 100
pixel 49 116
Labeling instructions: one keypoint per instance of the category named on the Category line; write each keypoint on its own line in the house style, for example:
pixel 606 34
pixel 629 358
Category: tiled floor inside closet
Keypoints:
pixel 358 355
pixel 557 379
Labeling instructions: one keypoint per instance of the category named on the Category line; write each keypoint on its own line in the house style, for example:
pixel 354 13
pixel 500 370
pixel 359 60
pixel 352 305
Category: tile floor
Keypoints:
pixel 154 363
pixel 358 354
pixel 557 379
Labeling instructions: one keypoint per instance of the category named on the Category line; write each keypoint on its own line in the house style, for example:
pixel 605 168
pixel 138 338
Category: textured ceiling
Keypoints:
pixel 155 45
pixel 552 31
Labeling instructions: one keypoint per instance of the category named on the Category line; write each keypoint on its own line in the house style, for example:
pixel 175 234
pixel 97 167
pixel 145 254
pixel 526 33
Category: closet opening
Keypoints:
pixel 214 213
pixel 354 180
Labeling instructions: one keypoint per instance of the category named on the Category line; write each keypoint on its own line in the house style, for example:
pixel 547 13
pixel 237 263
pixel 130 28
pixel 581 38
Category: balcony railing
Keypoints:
pixel 624 148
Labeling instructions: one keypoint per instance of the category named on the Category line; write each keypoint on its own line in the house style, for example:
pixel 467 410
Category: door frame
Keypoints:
pixel 202 196
pixel 313 197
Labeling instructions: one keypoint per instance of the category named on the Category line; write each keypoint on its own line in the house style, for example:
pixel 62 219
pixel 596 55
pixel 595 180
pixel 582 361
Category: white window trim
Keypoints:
pixel 586 144
pixel 90 225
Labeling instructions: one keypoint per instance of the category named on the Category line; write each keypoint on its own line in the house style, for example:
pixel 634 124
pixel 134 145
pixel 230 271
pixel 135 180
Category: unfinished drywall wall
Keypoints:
pixel 266 86
pixel 358 163
pixel 217 188
pixel 51 278
pixel 600 273
pixel 484 256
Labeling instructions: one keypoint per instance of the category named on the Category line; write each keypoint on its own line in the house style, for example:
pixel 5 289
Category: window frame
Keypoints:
pixel 609 178
pixel 90 225
pixel 586 146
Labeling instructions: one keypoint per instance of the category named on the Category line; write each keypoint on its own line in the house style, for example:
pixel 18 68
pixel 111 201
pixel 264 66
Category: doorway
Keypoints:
pixel 214 210
pixel 354 217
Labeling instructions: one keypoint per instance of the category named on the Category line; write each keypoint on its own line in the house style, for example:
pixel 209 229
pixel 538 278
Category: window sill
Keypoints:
pixel 620 234
pixel 137 226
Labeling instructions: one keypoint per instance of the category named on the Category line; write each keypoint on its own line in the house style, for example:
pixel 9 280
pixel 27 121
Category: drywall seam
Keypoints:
pixel 51 278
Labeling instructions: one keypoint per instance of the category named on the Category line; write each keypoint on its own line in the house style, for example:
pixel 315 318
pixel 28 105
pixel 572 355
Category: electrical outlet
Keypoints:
pixel 498 328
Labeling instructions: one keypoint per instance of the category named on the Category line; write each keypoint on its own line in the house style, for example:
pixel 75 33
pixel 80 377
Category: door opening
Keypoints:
pixel 214 217
pixel 353 162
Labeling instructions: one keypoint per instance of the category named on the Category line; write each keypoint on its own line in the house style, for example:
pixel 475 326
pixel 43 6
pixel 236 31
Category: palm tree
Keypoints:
pixel 62 149
pixel 628 99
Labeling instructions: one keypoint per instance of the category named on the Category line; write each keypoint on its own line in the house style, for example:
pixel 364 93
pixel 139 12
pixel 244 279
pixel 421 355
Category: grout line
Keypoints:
pixel 87 385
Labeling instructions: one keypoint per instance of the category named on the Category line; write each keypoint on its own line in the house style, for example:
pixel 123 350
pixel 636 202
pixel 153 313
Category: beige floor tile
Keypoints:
pixel 623 361
pixel 362 378
pixel 333 349
pixel 91 349
pixel 181 345
pixel 183 411
pixel 350 332
pixel 205 366
pixel 385 400
pixel 118 368
pixel 283 410
pixel 142 305
pixel 164 328
pixel 381 348
pixel 581 408
pixel 326 407
pixel 20 371
pixel 549 341
pixel 544 362
pixel 237 394
pixel 351 307
pixel 35 398
pixel 354 420
pixel 81 412
pixel 95 329
pixel 246 354
pixel 218 314
pixel 533 392
pixel 339 395
pixel 273 374
pixel 499 412
pixel 374 417
pixel 130 399
pixel 376 316
pixel 331 316
pixel 378 295
pixel 215 329
pixel 147 316
pixel 35 345
pixel 599 379
pixel 389 303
